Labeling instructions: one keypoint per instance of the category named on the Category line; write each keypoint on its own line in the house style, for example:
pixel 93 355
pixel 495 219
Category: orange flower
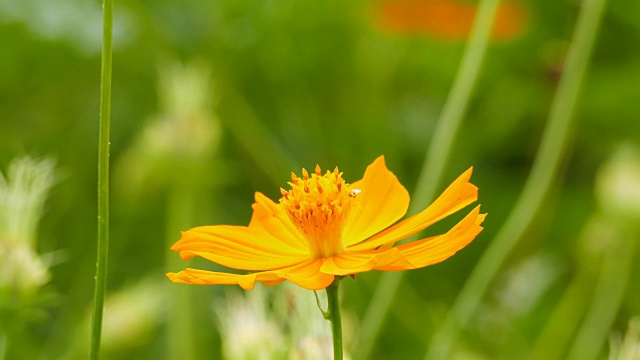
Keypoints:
pixel 324 227
pixel 447 19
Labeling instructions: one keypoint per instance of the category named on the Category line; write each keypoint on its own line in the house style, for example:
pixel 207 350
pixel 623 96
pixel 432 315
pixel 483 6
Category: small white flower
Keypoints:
pixel 22 195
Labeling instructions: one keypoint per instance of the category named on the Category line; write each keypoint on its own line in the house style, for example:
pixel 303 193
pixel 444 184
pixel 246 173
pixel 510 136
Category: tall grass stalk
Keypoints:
pixel 605 304
pixel 435 163
pixel 564 320
pixel 103 179
pixel 544 171
pixel 180 337
pixel 3 345
pixel 259 142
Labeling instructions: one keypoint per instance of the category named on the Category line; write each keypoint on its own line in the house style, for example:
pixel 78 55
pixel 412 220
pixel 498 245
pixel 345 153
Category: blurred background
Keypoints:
pixel 214 100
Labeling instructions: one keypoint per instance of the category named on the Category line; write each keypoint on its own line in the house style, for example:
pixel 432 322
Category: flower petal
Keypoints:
pixel 272 218
pixel 353 263
pixel 203 277
pixel 381 202
pixel 458 195
pixel 238 247
pixel 306 274
pixel 438 248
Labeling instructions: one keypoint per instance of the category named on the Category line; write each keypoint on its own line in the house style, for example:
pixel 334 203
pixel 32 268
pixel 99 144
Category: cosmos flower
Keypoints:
pixel 445 19
pixel 324 227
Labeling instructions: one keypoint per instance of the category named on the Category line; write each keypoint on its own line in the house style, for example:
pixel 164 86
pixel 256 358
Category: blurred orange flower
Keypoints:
pixel 324 227
pixel 448 19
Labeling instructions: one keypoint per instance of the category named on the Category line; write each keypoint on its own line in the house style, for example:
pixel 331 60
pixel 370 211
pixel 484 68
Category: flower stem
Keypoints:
pixel 3 345
pixel 181 340
pixel 103 180
pixel 333 315
pixel 609 295
pixel 544 171
pixel 434 164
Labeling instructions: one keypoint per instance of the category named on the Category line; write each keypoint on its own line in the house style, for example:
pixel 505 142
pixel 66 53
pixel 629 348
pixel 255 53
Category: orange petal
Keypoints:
pixel 306 274
pixel 353 263
pixel 458 195
pixel 238 247
pixel 438 248
pixel 272 218
pixel 381 202
pixel 202 277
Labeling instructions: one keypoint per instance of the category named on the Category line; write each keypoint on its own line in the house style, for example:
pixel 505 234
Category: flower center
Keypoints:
pixel 318 205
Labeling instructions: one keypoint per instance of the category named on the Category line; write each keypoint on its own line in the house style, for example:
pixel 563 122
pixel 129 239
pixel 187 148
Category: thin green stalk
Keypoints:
pixel 3 345
pixel 544 171
pixel 333 315
pixel 563 322
pixel 434 164
pixel 605 304
pixel 455 107
pixel 103 179
pixel 180 320
pixel 259 142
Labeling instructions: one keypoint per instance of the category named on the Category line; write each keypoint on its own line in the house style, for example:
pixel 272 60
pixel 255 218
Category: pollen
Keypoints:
pixel 318 205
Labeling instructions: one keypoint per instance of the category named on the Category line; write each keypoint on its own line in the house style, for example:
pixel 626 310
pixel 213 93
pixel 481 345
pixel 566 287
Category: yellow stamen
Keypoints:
pixel 318 205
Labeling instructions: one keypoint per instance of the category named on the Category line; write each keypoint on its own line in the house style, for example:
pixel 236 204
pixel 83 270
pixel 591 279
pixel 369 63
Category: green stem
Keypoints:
pixel 103 180
pixel 257 139
pixel 435 163
pixel 333 315
pixel 563 322
pixel 544 171
pixel 3 345
pixel 605 304
pixel 455 107
pixel 182 202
